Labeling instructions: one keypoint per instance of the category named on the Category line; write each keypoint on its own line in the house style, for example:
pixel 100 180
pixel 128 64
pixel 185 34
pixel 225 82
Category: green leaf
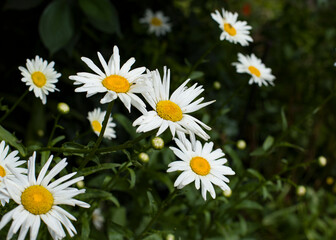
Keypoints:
pixel 268 143
pixel 133 178
pixel 152 203
pixel 56 140
pixel 258 152
pixel 56 25
pixel 116 228
pixel 99 194
pixel 126 123
pixel 290 145
pixel 85 226
pixel 12 140
pixel 248 204
pixel 196 74
pixel 238 165
pixel 90 170
pixel 256 174
pixel 283 119
pixel 101 14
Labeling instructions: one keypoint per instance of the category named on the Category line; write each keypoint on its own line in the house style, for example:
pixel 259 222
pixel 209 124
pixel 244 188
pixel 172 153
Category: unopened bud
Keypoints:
pixel 143 157
pixel 40 133
pixel 217 85
pixel 241 144
pixel 80 184
pixel 227 193
pixel 157 143
pixel 63 108
pixel 330 180
pixel 322 161
pixel 301 190
pixel 170 237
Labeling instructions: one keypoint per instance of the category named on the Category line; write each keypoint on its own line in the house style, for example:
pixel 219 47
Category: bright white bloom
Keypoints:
pixel 11 160
pixel 39 199
pixel 200 164
pixel 116 82
pixel 233 30
pixel 96 118
pixel 253 66
pixel 40 77
pixel 157 22
pixel 98 218
pixel 172 111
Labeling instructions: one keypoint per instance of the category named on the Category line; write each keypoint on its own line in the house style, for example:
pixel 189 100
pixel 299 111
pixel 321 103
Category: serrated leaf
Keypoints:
pixel 12 140
pixel 56 25
pixel 101 14
pixel 90 170
pixel 268 143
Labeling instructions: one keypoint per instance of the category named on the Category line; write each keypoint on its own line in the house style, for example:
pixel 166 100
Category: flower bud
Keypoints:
pixel 63 108
pixel 170 237
pixel 301 190
pixel 217 85
pixel 80 184
pixel 143 157
pixel 330 180
pixel 241 144
pixel 157 143
pixel 322 161
pixel 227 193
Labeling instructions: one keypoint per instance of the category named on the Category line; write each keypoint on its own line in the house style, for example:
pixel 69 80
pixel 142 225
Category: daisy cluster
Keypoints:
pixel 37 198
pixel 236 31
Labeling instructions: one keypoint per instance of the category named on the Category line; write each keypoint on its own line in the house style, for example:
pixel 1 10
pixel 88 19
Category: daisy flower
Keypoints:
pixel 200 164
pixel 172 111
pixel 96 118
pixel 157 22
pixel 253 66
pixel 39 199
pixel 116 82
pixel 233 30
pixel 98 219
pixel 8 160
pixel 40 77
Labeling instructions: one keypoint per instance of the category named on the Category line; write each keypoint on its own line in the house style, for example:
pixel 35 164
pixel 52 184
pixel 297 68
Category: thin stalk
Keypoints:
pixel 101 135
pixel 157 214
pixel 14 106
pixel 53 130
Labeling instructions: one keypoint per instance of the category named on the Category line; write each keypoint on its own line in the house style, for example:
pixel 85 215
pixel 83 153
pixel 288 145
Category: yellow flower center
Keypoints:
pixel 229 29
pixel 200 166
pixel 2 172
pixel 169 110
pixel 116 83
pixel 254 71
pixel 96 126
pixel 156 22
pixel 37 199
pixel 39 79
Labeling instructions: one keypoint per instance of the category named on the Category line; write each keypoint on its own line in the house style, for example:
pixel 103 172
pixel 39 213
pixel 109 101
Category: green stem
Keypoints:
pixel 157 214
pixel 14 106
pixel 199 61
pixel 53 130
pixel 100 137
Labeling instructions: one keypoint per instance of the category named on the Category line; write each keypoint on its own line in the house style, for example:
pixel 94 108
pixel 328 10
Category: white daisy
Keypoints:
pixel 200 164
pixel 38 199
pixel 157 22
pixel 233 30
pixel 253 66
pixel 172 111
pixel 11 160
pixel 40 77
pixel 116 82
pixel 96 118
pixel 98 218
